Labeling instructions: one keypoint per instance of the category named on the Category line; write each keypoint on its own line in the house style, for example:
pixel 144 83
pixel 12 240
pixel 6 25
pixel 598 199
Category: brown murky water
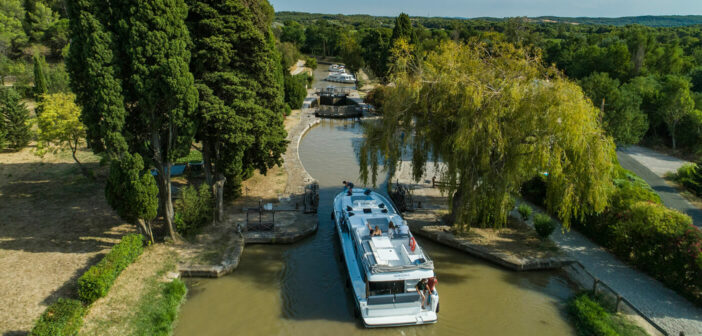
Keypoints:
pixel 299 289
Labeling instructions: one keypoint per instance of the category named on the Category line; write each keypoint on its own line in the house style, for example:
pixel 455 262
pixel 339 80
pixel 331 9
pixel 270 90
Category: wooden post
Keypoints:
pixel 619 301
pixel 594 286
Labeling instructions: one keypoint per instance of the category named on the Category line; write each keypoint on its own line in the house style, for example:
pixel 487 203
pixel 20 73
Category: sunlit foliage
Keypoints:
pixel 493 117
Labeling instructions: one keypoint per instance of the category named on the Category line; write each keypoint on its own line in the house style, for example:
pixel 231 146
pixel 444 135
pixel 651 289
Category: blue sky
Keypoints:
pixel 495 8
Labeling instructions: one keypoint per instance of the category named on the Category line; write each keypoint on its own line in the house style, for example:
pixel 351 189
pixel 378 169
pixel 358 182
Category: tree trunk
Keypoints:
pixel 164 183
pixel 215 180
pixel 207 158
pixel 146 229
pixel 85 171
pixel 672 135
pixel 218 192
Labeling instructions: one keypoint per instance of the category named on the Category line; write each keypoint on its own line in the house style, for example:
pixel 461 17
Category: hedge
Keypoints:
pixel 96 282
pixel 62 318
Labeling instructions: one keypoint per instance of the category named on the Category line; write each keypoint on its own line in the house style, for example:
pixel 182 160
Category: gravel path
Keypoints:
pixel 651 167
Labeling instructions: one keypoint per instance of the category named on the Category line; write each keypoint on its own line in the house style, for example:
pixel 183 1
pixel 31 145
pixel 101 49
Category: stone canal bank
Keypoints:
pixel 217 251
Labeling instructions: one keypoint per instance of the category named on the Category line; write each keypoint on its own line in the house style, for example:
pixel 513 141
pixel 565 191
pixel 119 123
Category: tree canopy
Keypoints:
pixel 59 125
pixel 240 79
pixel 492 117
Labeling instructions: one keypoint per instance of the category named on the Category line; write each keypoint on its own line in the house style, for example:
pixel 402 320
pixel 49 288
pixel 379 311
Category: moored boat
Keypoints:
pixel 341 78
pixel 384 270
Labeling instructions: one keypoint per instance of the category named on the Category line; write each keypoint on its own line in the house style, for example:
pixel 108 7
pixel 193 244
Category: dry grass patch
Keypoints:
pixel 55 224
pixel 116 313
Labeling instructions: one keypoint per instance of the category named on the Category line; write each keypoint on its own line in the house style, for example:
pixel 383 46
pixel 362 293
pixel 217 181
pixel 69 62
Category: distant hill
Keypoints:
pixel 648 20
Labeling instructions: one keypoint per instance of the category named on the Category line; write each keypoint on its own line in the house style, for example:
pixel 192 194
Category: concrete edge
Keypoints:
pixel 520 264
pixel 229 264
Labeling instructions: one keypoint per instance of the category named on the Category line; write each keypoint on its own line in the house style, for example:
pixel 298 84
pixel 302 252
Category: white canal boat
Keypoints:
pixel 341 78
pixel 337 68
pixel 383 270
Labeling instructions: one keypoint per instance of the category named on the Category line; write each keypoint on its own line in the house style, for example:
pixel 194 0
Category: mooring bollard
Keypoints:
pixel 619 301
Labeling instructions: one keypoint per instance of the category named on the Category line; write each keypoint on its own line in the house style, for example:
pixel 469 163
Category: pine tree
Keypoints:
pixel 403 29
pixel 40 84
pixel 240 81
pixel 16 119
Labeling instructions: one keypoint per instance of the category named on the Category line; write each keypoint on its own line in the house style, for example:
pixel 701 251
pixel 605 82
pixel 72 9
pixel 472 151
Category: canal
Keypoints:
pixel 299 289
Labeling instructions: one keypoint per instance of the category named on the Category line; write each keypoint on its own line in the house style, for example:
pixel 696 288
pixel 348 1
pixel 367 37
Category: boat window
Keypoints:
pixel 386 287
pixel 367 211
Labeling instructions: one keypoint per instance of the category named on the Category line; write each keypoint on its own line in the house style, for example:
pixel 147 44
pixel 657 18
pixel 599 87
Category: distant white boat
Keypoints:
pixel 337 68
pixel 341 78
pixel 383 270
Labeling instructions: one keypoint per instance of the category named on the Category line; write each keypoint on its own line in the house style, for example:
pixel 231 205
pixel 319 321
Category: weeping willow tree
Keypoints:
pixel 494 117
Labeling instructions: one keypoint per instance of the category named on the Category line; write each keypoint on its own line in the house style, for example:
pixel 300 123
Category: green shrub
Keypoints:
pixel 525 211
pixel 96 282
pixel 63 318
pixel 664 243
pixel 158 315
pixel 544 225
pixel 311 63
pixel 193 156
pixel 295 90
pixel 590 318
pixel 690 177
pixel 194 209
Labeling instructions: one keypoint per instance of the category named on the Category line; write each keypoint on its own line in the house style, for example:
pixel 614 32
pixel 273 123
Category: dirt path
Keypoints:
pixel 55 224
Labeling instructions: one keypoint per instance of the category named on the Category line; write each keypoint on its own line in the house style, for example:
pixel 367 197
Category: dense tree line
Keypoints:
pixel 152 80
pixel 646 81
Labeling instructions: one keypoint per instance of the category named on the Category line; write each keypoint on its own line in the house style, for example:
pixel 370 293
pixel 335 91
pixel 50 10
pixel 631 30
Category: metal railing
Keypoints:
pixel 600 287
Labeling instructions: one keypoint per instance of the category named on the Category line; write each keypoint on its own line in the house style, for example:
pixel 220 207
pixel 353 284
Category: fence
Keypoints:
pixel 585 279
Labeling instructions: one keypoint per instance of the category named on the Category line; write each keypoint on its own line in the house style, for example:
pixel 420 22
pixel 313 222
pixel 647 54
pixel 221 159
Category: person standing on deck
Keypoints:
pixel 422 290
pixel 347 185
pixel 431 287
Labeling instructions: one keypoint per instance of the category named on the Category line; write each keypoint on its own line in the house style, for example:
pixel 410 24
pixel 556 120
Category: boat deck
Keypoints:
pixel 391 251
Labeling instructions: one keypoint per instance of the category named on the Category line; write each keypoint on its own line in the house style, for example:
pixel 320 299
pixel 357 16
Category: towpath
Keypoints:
pixel 662 305
pixel 652 167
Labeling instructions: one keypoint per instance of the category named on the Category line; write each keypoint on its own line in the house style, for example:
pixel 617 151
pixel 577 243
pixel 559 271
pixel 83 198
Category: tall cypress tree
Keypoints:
pixel 161 95
pixel 240 82
pixel 403 29
pixel 130 64
pixel 40 84
pixel 90 63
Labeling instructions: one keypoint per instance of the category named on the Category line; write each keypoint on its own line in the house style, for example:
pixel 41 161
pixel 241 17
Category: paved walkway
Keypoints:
pixel 662 305
pixel 652 167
